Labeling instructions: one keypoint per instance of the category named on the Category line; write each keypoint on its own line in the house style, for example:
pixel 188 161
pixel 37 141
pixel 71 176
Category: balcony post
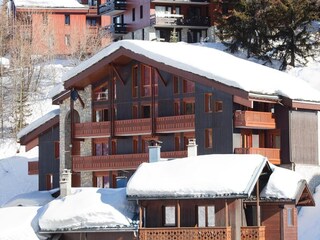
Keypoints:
pixel 226 208
pixel 258 205
pixel 179 214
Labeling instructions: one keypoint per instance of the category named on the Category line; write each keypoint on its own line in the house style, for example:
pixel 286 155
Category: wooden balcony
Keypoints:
pixel 273 154
pixel 253 233
pixel 254 120
pixel 92 129
pixel 33 168
pixel 185 233
pixel 185 123
pixel 113 7
pixel 117 162
pixel 132 127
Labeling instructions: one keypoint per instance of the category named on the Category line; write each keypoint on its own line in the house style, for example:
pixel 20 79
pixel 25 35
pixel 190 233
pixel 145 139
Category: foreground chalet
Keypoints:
pixel 227 196
pixel 136 92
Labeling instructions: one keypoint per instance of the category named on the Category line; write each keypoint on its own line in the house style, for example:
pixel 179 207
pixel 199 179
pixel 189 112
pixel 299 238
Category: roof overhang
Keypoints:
pixel 296 104
pixel 31 137
pixel 91 230
pixel 123 55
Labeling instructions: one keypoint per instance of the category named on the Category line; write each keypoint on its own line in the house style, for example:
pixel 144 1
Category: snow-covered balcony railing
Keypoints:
pixel 33 168
pixel 253 233
pixel 273 154
pixel 113 7
pixel 185 233
pixel 254 120
pixel 116 162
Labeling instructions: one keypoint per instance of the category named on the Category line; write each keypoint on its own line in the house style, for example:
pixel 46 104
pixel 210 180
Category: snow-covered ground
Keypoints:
pixel 14 177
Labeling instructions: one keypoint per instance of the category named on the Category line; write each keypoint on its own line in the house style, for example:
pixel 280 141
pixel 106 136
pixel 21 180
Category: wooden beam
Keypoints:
pixel 243 101
pixel 33 143
pixel 160 76
pixel 258 205
pixel 117 73
pixel 226 209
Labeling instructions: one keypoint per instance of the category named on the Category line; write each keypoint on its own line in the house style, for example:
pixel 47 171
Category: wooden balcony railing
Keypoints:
pixel 117 162
pixel 132 127
pixel 185 233
pixel 33 168
pixel 254 120
pixel 180 123
pixel 92 129
pixel 253 233
pixel 273 154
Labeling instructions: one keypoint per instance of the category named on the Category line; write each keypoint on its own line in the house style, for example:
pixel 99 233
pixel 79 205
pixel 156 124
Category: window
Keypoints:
pixel 141 11
pixel 101 147
pixel 102 94
pixel 188 86
pixel 208 137
pixel 56 150
pixel 102 115
pixel 169 216
pixel 146 111
pixel 133 14
pixel 67 19
pixel 132 35
pixel 206 216
pixel 188 107
pixel 208 102
pixel 91 22
pixel 218 106
pixel 175 85
pixel 49 181
pixel 135 81
pixel 67 40
pixel 290 216
pixel 145 81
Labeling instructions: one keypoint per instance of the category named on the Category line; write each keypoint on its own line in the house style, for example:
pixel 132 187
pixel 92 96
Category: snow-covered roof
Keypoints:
pixel 209 176
pixel 40 121
pixel 212 64
pixel 49 3
pixel 89 208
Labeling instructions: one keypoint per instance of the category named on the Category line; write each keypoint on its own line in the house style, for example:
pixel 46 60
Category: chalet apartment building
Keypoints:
pixel 59 27
pixel 135 92
pixel 193 20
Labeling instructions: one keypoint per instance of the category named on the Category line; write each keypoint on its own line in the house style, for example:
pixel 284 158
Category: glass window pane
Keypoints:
pixel 170 215
pixel 211 216
pixel 201 216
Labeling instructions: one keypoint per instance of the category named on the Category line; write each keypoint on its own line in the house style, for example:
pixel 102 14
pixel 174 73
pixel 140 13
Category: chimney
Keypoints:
pixel 154 151
pixel 192 148
pixel 65 183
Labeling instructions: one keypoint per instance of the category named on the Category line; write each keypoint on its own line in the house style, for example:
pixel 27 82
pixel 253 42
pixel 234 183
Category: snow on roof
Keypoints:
pixel 212 176
pixel 88 208
pixel 213 64
pixel 40 121
pixel 18 223
pixel 227 175
pixel 49 3
pixel 282 184
pixel 35 198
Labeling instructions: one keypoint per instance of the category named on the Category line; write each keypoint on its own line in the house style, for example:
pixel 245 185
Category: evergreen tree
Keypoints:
pixel 277 29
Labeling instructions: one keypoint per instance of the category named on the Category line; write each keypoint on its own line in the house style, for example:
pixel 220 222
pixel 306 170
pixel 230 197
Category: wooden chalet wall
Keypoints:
pixel 304 137
pixel 220 122
pixel 48 164
pixel 99 236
